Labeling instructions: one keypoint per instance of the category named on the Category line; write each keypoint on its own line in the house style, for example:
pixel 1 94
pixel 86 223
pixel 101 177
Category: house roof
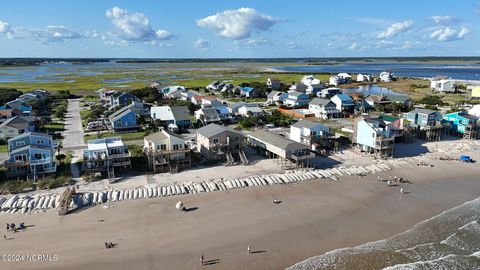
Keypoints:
pixel 439 78
pixel 211 112
pixel 30 146
pixel 214 129
pixel 180 113
pixel 161 135
pixel 307 124
pixel 122 114
pixel 27 134
pixel 275 140
pixel 17 122
pixel 296 94
pixel 320 101
pixel 344 97
pixel 247 89
pixel 237 105
pixel 397 98
pixel 422 111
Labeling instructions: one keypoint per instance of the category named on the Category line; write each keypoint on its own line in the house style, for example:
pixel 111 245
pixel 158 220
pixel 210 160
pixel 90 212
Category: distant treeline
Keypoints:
pixel 38 61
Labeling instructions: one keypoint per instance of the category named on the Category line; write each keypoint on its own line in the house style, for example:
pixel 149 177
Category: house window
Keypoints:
pixel 175 147
pixel 373 134
pixel 39 141
pixel 237 138
pixel 21 158
pixel 215 140
pixel 163 147
pixel 237 146
pixel 20 143
pixel 37 156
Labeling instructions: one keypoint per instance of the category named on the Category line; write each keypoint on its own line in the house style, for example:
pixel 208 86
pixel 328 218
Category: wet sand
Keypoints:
pixel 312 218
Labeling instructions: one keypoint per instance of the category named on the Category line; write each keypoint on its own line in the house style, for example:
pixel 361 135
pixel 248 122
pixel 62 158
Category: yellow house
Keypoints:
pixel 474 91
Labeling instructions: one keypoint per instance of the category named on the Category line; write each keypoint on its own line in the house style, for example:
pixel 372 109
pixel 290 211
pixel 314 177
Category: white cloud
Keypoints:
pixel 202 44
pixel 292 45
pixel 252 43
pixel 4 27
pixel 353 46
pixel 48 34
pixel 134 27
pixel 238 24
pixel 395 29
pixel 449 34
pixel 442 19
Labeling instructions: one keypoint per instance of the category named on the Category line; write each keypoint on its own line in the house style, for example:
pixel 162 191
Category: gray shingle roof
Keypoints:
pixel 214 129
pixel 320 101
pixel 275 140
pixel 306 124
pixel 180 113
pixel 422 111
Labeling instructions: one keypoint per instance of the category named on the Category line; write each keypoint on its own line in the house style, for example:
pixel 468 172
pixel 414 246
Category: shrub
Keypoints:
pixel 53 182
pixel 14 186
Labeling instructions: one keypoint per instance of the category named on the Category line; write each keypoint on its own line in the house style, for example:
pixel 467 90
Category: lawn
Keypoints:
pixel 54 127
pixel 3 148
pixel 133 136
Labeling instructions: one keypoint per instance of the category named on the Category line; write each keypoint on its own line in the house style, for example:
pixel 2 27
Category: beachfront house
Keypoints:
pixel 30 155
pixel 175 118
pixel 309 133
pixel 297 99
pixel 122 99
pixel 273 83
pixel 395 123
pixel 373 136
pixel 314 89
pixel 8 113
pixel 324 108
pixel 123 120
pixel 215 142
pixel 106 156
pixel 15 126
pixel 276 98
pixel 364 78
pixel 462 124
pixel 443 84
pixel 329 92
pixel 292 154
pixel 386 76
pixel 426 123
pixel 166 152
pixel 310 80
pixel 344 103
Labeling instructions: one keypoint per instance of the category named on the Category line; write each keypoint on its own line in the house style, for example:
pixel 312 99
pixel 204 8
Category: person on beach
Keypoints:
pixel 4 236
pixel 248 250
pixel 8 226
pixel 401 190
pixel 202 260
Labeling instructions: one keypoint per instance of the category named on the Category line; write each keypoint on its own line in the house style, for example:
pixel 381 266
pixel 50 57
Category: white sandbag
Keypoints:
pixel 164 191
pixel 95 197
pixel 40 202
pixel 145 193
pixel 31 203
pixel 199 188
pixel 24 210
pixel 122 195
pixel 154 192
pixel 135 194
pixel 11 201
pixel 140 193
pixel 149 192
pixel 178 190
pixel 269 180
pixel 183 190
pixel 52 201
pixel 114 196
pixel 109 195
pixel 169 191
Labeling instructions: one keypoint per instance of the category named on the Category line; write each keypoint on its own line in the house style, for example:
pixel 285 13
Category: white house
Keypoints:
pixel 335 81
pixel 314 88
pixel 386 76
pixel 207 116
pixel 323 108
pixel 373 136
pixel 276 97
pixel 345 76
pixel 329 92
pixel 250 109
pixel 273 83
pixel 309 80
pixel 364 78
pixel 187 95
pixel 297 99
pixel 442 84
pixel 475 110
pixel 305 131
pixel 344 103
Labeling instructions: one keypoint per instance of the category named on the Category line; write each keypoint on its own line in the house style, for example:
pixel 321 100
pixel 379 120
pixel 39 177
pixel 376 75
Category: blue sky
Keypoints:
pixel 208 28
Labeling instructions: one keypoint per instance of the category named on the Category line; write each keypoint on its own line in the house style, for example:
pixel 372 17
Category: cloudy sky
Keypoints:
pixel 213 28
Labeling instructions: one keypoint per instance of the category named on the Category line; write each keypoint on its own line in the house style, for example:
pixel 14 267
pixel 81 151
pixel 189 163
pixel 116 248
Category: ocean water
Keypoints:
pixel 450 240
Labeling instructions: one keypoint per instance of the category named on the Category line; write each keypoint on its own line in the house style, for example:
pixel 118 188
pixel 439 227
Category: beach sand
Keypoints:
pixel 313 217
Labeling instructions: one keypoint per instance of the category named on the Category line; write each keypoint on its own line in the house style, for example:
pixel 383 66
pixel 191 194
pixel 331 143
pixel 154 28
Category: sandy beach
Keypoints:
pixel 313 217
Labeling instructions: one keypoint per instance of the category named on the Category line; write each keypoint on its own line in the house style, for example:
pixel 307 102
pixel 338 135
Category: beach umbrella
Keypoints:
pixel 179 205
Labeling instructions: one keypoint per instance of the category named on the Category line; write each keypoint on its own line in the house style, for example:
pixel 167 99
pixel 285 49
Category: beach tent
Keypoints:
pixel 465 158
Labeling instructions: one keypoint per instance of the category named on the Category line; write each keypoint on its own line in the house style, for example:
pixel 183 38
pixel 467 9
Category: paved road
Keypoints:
pixel 73 136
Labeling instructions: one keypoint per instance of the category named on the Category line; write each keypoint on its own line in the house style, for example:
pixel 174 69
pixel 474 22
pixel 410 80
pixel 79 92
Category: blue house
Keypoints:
pixel 124 120
pixel 374 136
pixel 122 99
pixel 31 155
pixel 248 92
pixel 462 123
pixel 427 123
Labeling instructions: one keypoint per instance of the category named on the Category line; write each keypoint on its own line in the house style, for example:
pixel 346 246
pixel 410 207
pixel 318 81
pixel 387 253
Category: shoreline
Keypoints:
pixel 313 218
